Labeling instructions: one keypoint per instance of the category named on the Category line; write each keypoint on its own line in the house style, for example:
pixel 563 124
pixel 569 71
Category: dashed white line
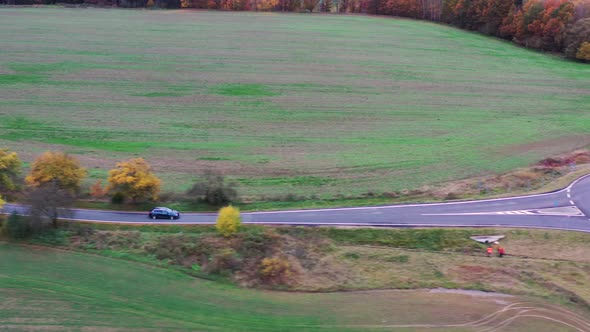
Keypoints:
pixel 572 202
pixel 569 195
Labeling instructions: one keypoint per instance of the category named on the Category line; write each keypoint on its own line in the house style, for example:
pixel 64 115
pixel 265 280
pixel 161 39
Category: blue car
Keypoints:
pixel 164 213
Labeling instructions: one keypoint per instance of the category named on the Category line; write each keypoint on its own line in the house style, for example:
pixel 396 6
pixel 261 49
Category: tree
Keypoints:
pixel 10 166
pixel 266 5
pixel 584 52
pixel 96 190
pixel 326 6
pixel 228 221
pixel 2 202
pixel 214 190
pixel 577 34
pixel 49 201
pixel 309 5
pixel 134 179
pixel 57 168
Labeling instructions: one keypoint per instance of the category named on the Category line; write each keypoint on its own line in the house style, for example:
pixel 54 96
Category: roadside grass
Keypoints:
pixel 547 180
pixel 344 104
pixel 53 289
pixel 551 265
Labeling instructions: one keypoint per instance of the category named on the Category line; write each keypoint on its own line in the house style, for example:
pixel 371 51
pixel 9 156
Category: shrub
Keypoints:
pixel 16 227
pixel 275 270
pixel 257 241
pixel 228 221
pixel 118 198
pixel 214 190
pixel 225 261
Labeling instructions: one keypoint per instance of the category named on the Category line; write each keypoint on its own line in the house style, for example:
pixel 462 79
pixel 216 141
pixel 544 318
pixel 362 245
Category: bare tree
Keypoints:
pixel 49 202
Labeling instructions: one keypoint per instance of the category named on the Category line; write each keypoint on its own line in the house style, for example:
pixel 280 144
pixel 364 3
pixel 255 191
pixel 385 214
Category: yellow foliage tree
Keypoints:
pixel 10 166
pixel 584 52
pixel 2 202
pixel 60 167
pixel 134 179
pixel 228 221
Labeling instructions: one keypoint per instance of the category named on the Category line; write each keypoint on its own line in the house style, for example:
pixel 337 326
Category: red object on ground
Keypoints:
pixel 490 251
pixel 500 251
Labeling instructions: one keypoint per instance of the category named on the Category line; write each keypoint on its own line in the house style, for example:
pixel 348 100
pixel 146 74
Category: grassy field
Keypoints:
pixel 304 104
pixel 53 290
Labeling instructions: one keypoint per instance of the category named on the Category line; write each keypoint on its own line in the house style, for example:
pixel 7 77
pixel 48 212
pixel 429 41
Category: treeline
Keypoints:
pixel 548 25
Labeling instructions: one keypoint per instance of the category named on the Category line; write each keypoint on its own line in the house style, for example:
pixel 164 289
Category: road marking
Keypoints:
pixel 569 195
pixel 569 211
pixel 572 202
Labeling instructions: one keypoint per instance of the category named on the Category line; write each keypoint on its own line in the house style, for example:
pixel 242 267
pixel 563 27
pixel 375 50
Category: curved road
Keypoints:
pixel 568 208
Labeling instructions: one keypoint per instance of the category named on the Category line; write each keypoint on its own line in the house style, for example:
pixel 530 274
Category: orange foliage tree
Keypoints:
pixel 134 179
pixel 59 168
pixel 97 190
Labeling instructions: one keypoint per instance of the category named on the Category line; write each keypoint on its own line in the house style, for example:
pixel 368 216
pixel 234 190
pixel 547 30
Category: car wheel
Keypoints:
pixel 154 217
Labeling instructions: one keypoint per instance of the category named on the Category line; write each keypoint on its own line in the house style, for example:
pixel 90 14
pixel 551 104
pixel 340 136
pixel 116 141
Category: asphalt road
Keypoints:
pixel 568 208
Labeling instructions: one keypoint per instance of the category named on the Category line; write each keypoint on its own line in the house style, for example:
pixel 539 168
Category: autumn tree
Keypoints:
pixel 56 168
pixel 10 166
pixel 584 52
pixel 2 202
pixel 97 190
pixel 228 221
pixel 577 34
pixel 134 179
pixel 266 5
pixel 310 5
pixel 326 6
pixel 288 5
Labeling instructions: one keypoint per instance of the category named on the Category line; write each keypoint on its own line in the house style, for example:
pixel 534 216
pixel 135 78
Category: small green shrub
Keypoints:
pixel 118 198
pixel 16 227
pixel 352 255
pixel 56 237
pixel 398 259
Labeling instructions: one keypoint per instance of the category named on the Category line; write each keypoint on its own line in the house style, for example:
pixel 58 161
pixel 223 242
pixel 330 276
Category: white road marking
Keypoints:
pixel 568 188
pixel 572 202
pixel 569 195
pixel 569 211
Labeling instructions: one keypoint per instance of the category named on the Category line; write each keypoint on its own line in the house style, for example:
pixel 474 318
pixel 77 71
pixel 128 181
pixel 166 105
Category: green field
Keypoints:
pixel 51 290
pixel 282 103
